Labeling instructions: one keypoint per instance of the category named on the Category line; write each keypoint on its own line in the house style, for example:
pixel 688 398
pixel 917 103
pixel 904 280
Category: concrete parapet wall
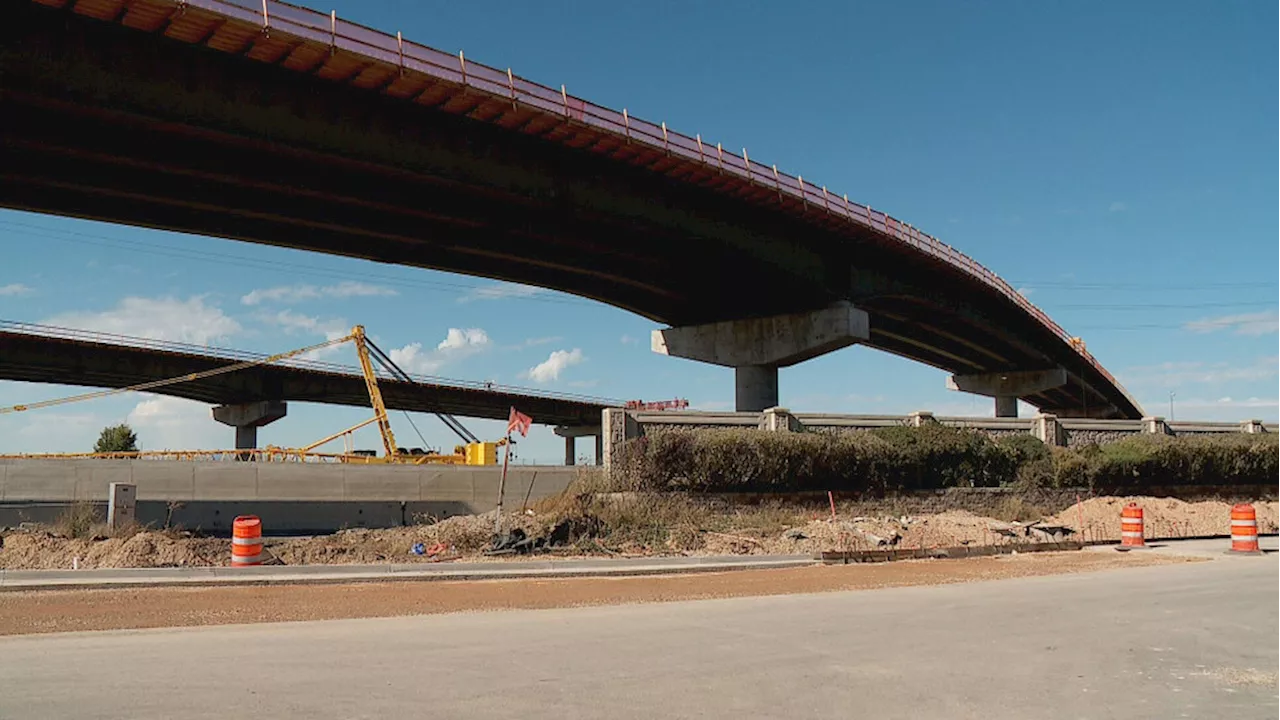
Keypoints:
pixel 288 496
pixel 1053 430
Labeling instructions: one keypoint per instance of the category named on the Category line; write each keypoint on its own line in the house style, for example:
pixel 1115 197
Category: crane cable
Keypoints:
pixel 174 381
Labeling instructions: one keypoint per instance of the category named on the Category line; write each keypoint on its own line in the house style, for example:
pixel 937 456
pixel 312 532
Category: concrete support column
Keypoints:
pixel 1006 406
pixel 755 388
pixel 756 347
pixel 1252 427
pixel 246 437
pixel 571 433
pixel 246 418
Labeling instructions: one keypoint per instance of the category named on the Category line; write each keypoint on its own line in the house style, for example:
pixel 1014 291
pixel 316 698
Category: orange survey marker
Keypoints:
pixel 246 541
pixel 1244 529
pixel 1131 534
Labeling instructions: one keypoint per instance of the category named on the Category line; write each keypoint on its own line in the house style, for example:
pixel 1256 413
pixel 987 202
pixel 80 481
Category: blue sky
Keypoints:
pixel 1113 160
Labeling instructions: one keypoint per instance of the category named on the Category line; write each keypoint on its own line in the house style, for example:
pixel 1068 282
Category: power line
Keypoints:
pixel 1162 306
pixel 294 268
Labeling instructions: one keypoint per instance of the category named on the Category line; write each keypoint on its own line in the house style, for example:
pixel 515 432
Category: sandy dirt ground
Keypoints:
pixel 777 532
pixel 81 610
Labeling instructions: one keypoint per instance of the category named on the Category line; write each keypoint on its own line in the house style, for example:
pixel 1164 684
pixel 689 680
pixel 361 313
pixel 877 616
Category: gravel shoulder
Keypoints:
pixel 90 610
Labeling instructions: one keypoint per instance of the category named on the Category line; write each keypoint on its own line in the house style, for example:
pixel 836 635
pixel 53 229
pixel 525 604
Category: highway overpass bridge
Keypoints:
pixel 270 123
pixel 41 354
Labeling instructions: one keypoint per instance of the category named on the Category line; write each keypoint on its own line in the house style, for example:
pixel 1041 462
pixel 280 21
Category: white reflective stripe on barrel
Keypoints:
pixel 1244 523
pixel 246 559
pixel 246 541
pixel 1128 533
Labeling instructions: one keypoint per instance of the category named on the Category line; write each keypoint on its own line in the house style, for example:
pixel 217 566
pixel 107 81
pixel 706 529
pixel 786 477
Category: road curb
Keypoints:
pixel 33 580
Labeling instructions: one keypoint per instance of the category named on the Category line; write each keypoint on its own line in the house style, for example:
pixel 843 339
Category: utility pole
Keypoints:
pixel 1172 395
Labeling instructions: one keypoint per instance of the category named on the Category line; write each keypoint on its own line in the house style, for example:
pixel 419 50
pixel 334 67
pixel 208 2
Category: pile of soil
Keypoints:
pixel 460 535
pixel 1099 518
pixel 40 550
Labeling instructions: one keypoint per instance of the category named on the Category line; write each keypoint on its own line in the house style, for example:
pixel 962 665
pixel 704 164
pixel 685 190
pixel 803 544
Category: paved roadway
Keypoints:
pixel 1158 642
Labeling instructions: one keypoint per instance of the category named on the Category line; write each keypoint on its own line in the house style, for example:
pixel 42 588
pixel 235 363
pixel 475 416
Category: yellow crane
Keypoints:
pixel 472 451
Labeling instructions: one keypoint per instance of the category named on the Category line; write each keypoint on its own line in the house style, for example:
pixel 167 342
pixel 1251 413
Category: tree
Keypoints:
pixel 116 438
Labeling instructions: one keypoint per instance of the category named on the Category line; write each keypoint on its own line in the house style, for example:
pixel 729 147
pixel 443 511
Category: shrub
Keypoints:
pixel 931 457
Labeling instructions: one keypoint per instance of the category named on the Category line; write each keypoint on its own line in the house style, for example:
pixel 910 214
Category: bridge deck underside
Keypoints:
pixel 208 126
pixel 31 358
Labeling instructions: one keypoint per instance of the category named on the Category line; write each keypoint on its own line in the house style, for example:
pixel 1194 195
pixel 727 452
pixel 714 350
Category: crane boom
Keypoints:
pixel 375 395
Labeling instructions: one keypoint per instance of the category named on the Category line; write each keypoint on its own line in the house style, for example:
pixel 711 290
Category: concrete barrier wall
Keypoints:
pixel 621 425
pixel 290 497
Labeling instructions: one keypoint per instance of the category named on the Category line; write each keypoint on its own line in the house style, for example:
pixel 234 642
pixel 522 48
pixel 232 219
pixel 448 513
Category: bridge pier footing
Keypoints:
pixel 756 347
pixel 246 418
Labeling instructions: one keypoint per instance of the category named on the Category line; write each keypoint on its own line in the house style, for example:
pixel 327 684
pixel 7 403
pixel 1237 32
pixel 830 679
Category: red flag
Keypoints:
pixel 519 421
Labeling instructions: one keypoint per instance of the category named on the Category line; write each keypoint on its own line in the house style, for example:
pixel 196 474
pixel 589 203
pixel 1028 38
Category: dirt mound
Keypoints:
pixel 641 526
pixel 1099 518
pixel 461 535
pixel 40 550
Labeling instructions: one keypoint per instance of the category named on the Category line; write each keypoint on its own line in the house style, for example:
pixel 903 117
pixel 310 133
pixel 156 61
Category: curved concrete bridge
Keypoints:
pixel 270 123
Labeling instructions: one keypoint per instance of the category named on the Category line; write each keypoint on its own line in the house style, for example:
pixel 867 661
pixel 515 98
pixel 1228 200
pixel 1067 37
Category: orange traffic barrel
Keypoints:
pixel 246 541
pixel 1131 527
pixel 1244 529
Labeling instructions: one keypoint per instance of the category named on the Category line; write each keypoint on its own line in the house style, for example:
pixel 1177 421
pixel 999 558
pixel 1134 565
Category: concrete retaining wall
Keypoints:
pixel 290 497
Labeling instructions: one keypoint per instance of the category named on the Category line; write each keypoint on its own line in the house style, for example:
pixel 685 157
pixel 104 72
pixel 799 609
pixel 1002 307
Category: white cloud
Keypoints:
pixel 294 323
pixel 550 369
pixel 170 423
pixel 1025 291
pixel 1259 323
pixel 165 318
pixel 1117 206
pixel 294 293
pixel 499 291
pixel 458 344
pixel 15 289
pixel 459 339
pixel 629 340
pixel 1223 409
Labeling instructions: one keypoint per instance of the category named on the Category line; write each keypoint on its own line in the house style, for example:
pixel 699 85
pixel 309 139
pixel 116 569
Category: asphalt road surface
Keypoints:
pixel 1179 641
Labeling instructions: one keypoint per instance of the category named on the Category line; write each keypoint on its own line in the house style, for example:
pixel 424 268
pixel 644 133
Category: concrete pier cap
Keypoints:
pixel 1007 387
pixel 757 347
pixel 246 418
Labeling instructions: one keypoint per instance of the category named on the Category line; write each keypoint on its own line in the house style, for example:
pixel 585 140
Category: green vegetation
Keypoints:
pixel 933 456
pixel 116 438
